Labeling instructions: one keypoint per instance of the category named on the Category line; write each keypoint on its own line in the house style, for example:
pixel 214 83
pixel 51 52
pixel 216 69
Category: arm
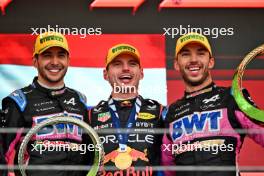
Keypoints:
pixel 14 119
pixel 155 158
pixel 2 158
pixel 167 158
pixel 255 128
pixel 86 140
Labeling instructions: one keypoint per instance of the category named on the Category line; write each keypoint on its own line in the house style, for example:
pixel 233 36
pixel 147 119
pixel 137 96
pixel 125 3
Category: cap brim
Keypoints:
pixel 124 52
pixel 201 43
pixel 49 46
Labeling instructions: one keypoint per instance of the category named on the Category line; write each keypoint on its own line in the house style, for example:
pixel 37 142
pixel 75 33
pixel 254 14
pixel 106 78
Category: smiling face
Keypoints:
pixel 124 70
pixel 194 63
pixel 52 66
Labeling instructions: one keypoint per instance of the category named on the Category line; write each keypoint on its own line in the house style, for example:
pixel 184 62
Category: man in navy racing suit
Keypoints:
pixel 202 125
pixel 45 98
pixel 136 150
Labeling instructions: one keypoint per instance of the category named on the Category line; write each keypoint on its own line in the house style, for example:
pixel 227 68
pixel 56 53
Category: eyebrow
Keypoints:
pixel 60 52
pixel 184 50
pixel 133 60
pixel 116 60
pixel 199 49
pixel 46 52
pixel 202 49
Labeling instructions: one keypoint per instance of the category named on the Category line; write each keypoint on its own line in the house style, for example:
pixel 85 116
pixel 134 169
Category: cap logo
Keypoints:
pixel 188 37
pixel 123 48
pixel 52 37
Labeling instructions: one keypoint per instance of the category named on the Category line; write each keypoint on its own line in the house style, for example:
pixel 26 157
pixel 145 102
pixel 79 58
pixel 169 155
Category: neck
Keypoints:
pixel 50 86
pixel 192 88
pixel 124 96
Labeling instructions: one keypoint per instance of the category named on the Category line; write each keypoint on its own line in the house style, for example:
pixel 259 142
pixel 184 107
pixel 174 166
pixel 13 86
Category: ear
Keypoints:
pixel 69 59
pixel 211 63
pixel 106 75
pixel 34 62
pixel 176 65
pixel 141 73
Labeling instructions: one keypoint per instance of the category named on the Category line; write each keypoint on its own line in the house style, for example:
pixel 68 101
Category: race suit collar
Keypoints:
pixel 50 92
pixel 208 88
pixel 125 103
pixel 119 102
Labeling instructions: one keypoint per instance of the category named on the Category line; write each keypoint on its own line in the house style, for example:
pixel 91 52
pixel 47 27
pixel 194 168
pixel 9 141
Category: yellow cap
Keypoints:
pixel 192 38
pixel 122 49
pixel 49 39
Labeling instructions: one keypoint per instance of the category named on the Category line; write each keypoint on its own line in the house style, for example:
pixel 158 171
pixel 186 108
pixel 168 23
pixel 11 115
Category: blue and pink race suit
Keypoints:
pixel 31 105
pixel 206 128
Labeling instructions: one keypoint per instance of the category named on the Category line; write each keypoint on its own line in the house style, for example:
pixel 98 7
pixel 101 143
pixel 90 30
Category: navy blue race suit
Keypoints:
pixel 26 107
pixel 203 131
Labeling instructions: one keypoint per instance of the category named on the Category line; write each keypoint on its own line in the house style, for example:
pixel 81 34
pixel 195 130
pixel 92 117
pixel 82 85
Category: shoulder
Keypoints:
pixel 221 89
pixel 177 109
pixel 229 92
pixel 246 95
pixel 76 92
pixel 102 106
pixel 81 97
pixel 178 103
pixel 150 105
pixel 150 102
pixel 153 107
pixel 19 97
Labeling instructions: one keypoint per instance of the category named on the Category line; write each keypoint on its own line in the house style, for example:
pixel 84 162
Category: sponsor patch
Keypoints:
pixel 197 123
pixel 103 117
pixel 146 116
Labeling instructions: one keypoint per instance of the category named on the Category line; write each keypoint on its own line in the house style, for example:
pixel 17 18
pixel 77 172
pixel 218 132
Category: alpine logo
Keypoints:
pixel 71 101
pixel 214 98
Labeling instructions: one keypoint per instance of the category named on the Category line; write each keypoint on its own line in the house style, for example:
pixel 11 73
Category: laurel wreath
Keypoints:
pixel 99 154
pixel 242 103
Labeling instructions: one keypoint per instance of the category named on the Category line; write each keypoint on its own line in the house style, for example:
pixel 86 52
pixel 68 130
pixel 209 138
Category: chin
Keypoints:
pixel 55 80
pixel 196 82
pixel 193 82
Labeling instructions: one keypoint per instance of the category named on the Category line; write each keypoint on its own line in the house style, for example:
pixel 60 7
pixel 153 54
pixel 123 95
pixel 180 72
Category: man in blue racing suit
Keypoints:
pixel 45 98
pixel 202 124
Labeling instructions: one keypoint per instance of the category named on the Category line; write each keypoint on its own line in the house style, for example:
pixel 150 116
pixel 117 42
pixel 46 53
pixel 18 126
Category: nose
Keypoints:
pixel 55 60
pixel 125 67
pixel 193 58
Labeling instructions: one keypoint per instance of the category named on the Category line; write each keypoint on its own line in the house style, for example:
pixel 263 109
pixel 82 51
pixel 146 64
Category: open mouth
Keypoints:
pixel 54 70
pixel 125 78
pixel 194 69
